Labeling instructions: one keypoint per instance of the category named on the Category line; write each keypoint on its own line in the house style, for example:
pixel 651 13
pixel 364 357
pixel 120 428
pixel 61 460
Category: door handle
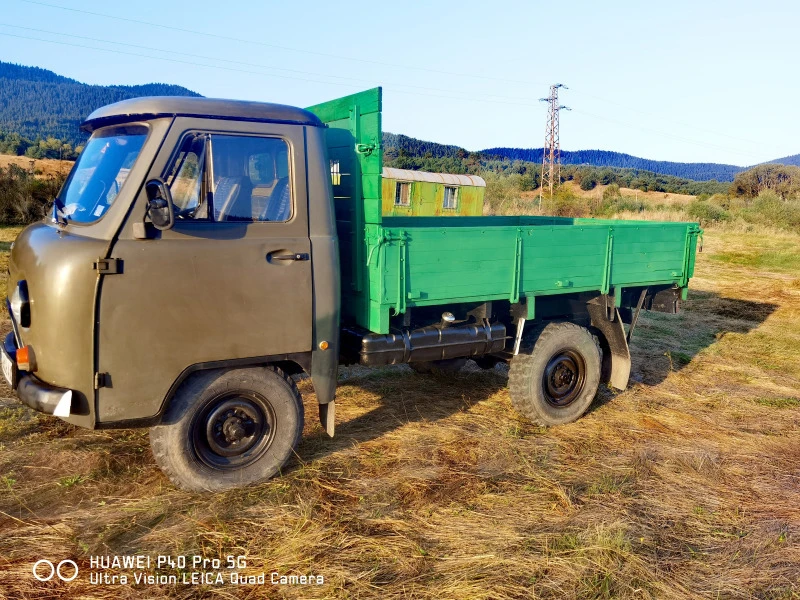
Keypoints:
pixel 295 256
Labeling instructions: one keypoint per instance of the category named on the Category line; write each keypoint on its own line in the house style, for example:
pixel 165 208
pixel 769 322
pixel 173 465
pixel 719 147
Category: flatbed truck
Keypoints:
pixel 203 251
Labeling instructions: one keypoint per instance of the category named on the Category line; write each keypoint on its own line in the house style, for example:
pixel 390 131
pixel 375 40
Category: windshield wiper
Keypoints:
pixel 58 214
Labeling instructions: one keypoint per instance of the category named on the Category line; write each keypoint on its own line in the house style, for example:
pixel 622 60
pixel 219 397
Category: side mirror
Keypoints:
pixel 159 204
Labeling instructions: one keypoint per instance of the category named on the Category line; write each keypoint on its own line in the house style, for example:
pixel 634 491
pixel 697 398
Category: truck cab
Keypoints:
pixel 116 309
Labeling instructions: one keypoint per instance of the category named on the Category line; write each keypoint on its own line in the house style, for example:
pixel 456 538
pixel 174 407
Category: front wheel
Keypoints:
pixel 554 380
pixel 226 429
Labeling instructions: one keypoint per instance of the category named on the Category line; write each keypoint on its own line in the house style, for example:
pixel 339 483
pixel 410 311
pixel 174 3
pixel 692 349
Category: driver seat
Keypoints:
pixel 234 197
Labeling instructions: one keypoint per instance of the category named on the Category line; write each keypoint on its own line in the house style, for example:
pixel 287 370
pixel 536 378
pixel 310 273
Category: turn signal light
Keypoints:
pixel 24 358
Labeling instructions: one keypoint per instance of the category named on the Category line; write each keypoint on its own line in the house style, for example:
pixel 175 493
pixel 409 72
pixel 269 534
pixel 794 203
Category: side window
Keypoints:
pixel 402 193
pixel 450 199
pixel 186 177
pixel 231 178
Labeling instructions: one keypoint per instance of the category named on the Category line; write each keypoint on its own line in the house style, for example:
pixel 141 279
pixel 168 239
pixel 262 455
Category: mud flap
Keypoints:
pixel 616 355
pixel 327 416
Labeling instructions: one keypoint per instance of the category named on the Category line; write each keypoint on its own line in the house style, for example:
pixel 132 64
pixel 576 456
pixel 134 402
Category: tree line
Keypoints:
pixel 402 152
pixel 607 158
pixel 17 145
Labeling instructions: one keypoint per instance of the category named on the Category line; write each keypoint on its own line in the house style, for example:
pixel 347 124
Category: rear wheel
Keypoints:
pixel 553 380
pixel 225 429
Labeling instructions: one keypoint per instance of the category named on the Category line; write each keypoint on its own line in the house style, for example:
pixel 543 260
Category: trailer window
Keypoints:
pixel 402 193
pixel 450 198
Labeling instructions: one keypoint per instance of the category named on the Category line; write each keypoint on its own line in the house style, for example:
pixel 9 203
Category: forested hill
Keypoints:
pixel 37 103
pixel 605 158
pixel 599 158
pixel 794 159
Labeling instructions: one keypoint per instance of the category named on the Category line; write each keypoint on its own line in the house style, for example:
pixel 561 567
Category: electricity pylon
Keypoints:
pixel 551 155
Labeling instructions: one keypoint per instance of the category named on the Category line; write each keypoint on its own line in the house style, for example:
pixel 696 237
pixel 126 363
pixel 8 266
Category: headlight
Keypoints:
pixel 21 304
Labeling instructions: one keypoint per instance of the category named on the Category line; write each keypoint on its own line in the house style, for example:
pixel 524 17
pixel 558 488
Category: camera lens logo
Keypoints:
pixel 44 570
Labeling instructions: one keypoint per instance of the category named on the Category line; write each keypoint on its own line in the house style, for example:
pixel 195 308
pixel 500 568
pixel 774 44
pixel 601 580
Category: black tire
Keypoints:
pixel 229 428
pixel 441 368
pixel 555 376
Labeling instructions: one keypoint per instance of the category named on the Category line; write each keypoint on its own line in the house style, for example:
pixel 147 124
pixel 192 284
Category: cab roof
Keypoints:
pixel 210 108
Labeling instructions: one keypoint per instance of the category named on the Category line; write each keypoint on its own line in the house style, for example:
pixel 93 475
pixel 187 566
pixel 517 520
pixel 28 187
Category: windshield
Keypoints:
pixel 101 170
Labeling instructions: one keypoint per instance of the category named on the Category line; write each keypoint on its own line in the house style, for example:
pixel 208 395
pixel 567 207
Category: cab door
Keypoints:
pixel 229 283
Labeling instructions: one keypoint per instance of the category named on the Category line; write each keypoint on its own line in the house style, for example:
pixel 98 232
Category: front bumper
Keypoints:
pixel 38 395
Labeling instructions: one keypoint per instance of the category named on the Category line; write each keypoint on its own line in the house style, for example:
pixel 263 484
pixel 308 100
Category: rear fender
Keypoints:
pixel 616 368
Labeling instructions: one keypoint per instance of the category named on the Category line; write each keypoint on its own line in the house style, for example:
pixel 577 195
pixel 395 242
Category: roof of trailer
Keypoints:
pixel 446 178
pixel 214 108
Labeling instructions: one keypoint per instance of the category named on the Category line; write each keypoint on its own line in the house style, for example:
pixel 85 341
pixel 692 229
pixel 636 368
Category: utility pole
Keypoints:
pixel 551 155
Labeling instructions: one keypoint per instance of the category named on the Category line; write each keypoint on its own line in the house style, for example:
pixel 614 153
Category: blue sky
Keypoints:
pixel 687 81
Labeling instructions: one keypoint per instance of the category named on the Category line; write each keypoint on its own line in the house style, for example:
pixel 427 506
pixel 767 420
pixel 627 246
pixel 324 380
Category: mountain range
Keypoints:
pixel 37 103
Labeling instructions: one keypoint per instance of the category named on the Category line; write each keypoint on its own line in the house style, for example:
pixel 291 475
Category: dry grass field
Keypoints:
pixel 596 194
pixel 45 167
pixel 686 485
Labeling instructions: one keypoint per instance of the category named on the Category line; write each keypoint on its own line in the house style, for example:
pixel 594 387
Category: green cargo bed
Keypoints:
pixel 392 263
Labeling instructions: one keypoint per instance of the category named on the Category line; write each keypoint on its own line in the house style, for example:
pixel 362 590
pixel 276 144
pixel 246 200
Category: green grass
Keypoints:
pixel 70 480
pixel 785 260
pixel 778 402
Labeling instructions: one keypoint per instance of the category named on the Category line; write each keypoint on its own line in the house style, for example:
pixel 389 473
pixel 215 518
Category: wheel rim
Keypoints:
pixel 234 430
pixel 563 378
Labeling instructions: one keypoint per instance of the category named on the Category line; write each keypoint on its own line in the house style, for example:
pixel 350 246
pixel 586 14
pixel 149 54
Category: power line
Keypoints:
pixel 663 133
pixel 174 60
pixel 267 45
pixel 362 60
pixel 394 90
pixel 650 114
pixel 197 64
pixel 248 64
pixel 471 98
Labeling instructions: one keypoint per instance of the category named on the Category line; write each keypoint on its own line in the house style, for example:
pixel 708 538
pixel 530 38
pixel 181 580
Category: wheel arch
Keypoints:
pixel 291 364
pixel 616 366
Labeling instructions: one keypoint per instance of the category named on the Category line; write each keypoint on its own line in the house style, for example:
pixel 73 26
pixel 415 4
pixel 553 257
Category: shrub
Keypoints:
pixel 612 205
pixel 769 209
pixel 564 203
pixel 588 183
pixel 611 192
pixel 25 198
pixel 706 212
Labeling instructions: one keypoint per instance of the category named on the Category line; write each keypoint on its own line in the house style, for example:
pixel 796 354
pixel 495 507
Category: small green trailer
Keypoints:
pixel 419 193
pixel 202 251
